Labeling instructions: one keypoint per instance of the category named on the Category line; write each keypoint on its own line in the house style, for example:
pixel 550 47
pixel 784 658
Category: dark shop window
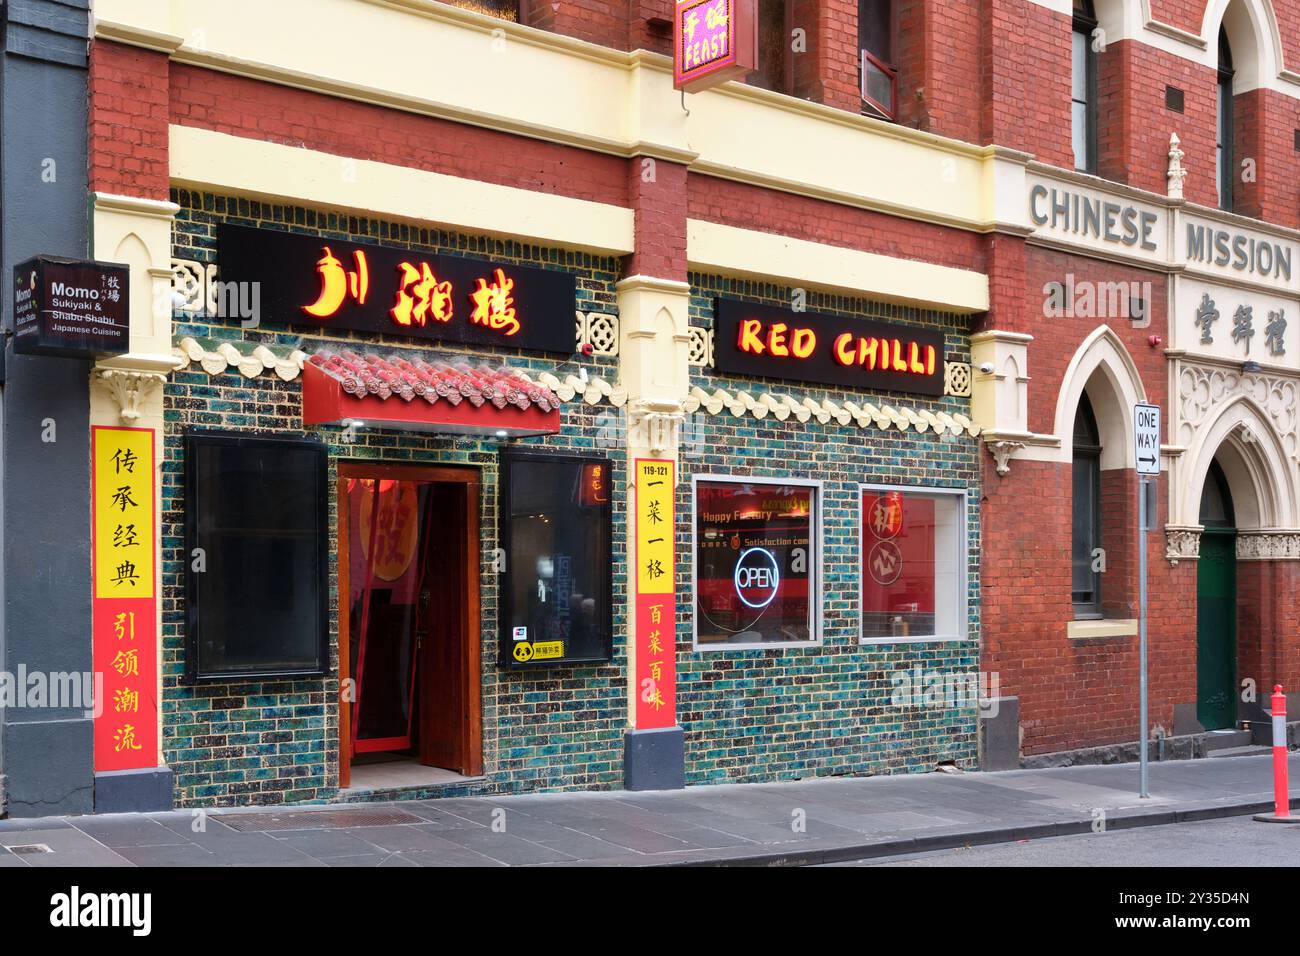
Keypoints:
pixel 756 554
pixel 1083 88
pixel 557 536
pixel 256 511
pixel 1086 584
pixel 879 76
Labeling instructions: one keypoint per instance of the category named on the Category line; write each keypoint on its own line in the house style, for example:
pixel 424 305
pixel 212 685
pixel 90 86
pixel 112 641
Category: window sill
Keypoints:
pixel 1088 630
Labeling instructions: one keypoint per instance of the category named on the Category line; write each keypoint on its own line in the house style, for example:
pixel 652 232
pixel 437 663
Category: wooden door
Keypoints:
pixel 1216 630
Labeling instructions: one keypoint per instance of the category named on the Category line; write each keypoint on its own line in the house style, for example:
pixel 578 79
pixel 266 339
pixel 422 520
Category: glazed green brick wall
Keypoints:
pixel 789 712
pixel 276 741
pixel 750 715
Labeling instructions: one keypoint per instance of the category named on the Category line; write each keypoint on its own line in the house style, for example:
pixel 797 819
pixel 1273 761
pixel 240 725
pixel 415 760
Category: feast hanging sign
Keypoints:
pixel 803 346
pixel 124 610
pixel 656 598
pixel 713 41
pixel 328 284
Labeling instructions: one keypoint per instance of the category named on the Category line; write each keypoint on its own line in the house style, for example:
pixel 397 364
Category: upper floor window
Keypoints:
pixel 879 76
pixel 1223 126
pixel 1083 88
pixel 775 66
pixel 1086 513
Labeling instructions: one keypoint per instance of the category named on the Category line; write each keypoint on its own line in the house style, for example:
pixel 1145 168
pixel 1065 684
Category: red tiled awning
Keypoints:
pixel 412 394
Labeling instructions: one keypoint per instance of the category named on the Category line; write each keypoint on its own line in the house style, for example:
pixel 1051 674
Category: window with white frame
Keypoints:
pixel 756 560
pixel 914 553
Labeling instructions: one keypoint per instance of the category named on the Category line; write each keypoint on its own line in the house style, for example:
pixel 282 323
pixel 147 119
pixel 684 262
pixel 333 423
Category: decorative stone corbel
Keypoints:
pixel 1182 544
pixel 129 389
pixel 1176 173
pixel 658 422
pixel 1002 452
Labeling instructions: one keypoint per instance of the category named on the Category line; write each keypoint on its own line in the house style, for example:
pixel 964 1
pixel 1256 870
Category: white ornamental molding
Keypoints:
pixel 600 331
pixel 782 407
pixel 248 358
pixel 1204 388
pixel 1176 173
pixel 700 348
pixel 129 389
pixel 1268 546
pixel 1002 450
pixel 655 424
pixel 957 379
pixel 1182 544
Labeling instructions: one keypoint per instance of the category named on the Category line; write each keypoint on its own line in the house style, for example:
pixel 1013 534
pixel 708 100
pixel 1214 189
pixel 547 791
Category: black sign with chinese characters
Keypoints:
pixel 332 284
pixel 70 308
pixel 831 350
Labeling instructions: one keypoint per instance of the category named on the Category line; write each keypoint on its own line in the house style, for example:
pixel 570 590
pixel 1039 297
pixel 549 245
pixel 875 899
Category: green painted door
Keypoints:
pixel 1216 630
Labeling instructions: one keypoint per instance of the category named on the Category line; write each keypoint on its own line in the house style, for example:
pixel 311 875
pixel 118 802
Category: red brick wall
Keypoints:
pixel 1074 693
pixel 604 22
pixel 1184 14
pixel 279 114
pixel 128 121
pixel 1133 138
pixel 658 191
pixel 1026 79
pixel 1057 339
pixel 1268 620
pixel 1274 119
pixel 752 207
pixel 939 83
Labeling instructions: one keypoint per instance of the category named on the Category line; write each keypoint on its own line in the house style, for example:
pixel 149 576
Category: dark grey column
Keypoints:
pixel 45 753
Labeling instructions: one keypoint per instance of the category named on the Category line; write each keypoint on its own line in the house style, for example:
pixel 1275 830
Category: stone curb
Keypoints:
pixel 842 853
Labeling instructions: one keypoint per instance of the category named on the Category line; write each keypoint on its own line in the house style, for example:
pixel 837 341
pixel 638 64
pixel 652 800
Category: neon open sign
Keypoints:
pixel 757 577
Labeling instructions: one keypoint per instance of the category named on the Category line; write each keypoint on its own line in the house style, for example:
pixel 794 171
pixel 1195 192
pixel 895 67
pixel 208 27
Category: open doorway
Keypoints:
pixel 410 714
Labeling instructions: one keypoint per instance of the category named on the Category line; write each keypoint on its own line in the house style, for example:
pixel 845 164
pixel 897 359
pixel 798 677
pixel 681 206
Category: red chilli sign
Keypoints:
pixel 713 41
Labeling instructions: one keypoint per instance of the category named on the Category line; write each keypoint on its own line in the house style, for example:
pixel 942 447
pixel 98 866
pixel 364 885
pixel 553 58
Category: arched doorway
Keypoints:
pixel 1216 605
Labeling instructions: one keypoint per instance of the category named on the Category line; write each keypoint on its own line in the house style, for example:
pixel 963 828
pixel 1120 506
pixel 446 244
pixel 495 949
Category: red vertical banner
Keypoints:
pixel 124 628
pixel 654 527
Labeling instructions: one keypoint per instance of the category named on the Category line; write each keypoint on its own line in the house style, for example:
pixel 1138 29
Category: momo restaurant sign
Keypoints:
pixel 713 41
pixel 71 309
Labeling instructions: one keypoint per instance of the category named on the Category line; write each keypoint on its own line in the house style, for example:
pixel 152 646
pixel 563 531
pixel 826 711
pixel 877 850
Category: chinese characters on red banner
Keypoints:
pixel 656 599
pixel 124 610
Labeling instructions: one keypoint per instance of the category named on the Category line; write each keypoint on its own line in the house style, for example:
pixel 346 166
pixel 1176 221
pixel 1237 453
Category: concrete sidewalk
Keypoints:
pixel 818 821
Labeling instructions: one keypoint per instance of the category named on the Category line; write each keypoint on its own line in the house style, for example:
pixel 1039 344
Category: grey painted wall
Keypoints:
pixel 45 754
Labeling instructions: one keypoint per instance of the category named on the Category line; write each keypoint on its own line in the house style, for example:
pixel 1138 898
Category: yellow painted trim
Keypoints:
pixel 728 250
pixel 594 98
pixel 202 159
pixel 1086 630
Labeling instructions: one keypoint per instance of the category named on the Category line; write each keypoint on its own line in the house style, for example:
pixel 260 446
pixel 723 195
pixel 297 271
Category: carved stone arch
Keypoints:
pixel 1103 368
pixel 1253 34
pixel 1261 477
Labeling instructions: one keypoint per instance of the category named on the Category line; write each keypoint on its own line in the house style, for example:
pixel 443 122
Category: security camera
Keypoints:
pixel 986 368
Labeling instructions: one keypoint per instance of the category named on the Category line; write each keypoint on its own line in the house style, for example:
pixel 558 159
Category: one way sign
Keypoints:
pixel 1146 431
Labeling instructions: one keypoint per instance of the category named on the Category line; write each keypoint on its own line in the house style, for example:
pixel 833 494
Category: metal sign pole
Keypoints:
pixel 1146 447
pixel 1144 489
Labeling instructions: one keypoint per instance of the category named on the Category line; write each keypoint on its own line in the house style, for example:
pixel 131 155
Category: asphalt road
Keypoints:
pixel 1231 841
